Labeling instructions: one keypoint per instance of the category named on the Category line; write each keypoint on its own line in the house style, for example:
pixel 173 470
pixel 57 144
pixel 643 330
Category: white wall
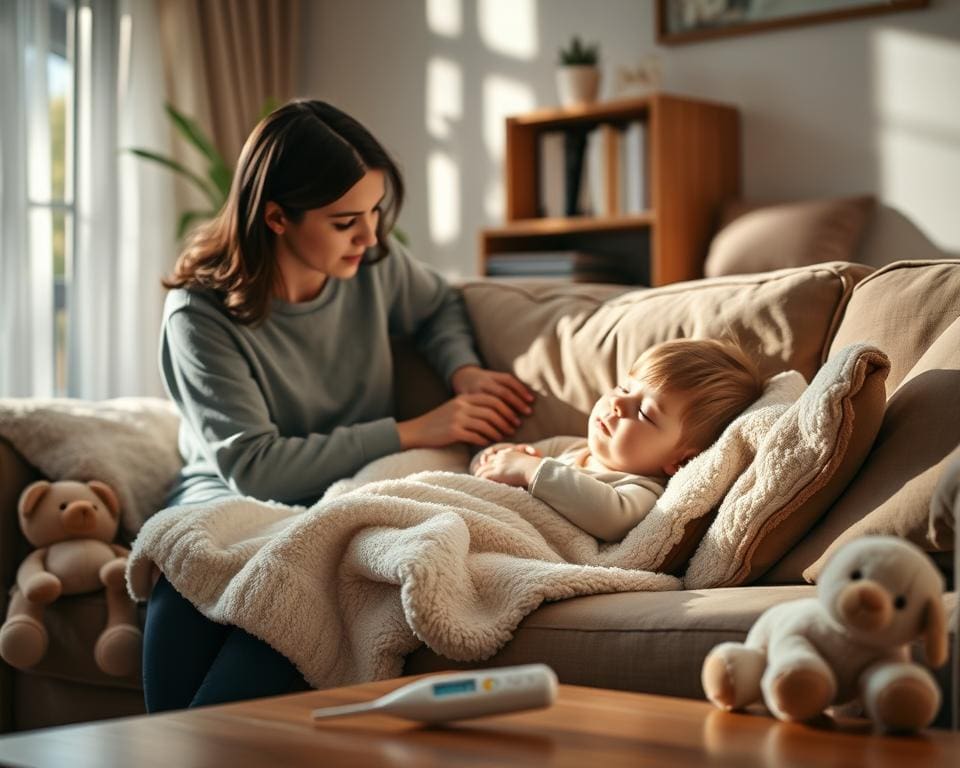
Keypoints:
pixel 870 105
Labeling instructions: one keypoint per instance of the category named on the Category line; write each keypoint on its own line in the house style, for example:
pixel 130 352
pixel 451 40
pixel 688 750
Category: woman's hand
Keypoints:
pixel 477 419
pixel 472 379
pixel 510 466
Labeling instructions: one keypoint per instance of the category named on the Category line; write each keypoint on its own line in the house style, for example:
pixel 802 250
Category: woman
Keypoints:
pixel 275 348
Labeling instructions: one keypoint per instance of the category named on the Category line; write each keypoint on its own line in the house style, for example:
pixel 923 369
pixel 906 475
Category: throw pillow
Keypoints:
pixel 130 443
pixel 800 467
pixel 570 343
pixel 757 238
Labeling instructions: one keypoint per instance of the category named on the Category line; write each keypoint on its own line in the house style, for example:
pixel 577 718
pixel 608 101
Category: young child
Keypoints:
pixel 677 399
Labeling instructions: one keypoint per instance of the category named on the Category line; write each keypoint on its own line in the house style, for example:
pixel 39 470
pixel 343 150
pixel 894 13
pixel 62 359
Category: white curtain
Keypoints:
pixel 20 363
pixel 124 236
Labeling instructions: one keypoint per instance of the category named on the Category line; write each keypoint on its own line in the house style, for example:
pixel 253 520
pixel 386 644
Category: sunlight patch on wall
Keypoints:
pixel 509 27
pixel 494 199
pixel 444 97
pixel 918 133
pixel 445 17
pixel 443 185
pixel 502 96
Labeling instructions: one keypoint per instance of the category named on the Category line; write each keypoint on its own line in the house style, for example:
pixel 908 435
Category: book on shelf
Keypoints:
pixel 633 171
pixel 599 172
pixel 604 170
pixel 552 187
pixel 574 149
pixel 561 264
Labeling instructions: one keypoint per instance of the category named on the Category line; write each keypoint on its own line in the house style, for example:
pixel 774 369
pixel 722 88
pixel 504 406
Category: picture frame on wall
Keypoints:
pixel 689 21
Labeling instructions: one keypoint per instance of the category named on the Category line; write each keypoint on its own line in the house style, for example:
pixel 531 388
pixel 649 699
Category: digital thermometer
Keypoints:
pixel 461 695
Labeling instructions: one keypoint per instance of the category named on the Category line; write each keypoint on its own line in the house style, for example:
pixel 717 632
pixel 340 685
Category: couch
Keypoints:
pixel 570 341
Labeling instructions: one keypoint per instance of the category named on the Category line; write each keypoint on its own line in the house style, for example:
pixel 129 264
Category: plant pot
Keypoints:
pixel 578 84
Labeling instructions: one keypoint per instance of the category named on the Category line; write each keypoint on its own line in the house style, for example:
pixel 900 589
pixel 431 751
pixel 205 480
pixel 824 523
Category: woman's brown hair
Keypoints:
pixel 304 155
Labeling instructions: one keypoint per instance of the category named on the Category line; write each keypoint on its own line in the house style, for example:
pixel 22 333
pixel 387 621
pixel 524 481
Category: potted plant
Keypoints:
pixel 578 77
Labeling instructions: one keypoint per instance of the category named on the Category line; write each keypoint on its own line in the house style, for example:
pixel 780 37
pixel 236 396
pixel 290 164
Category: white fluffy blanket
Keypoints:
pixel 348 587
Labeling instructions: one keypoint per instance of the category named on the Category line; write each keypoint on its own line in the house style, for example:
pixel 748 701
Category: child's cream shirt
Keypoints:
pixel 603 502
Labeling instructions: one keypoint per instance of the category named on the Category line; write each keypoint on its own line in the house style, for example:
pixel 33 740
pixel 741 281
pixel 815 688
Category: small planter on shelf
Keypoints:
pixel 578 76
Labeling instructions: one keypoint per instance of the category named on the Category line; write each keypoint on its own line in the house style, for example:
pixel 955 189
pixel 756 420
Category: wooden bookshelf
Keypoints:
pixel 692 162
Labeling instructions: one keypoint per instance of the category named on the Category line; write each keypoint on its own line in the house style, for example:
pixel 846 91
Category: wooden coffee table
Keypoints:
pixel 586 727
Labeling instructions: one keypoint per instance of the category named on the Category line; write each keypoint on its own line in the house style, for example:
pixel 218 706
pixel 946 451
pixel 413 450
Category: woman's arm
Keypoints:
pixel 425 305
pixel 487 403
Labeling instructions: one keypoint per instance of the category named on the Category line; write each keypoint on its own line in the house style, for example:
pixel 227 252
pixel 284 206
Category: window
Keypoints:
pixel 49 70
pixel 87 231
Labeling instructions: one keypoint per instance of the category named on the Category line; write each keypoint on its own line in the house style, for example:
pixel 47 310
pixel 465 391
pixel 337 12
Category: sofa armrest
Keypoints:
pixel 15 475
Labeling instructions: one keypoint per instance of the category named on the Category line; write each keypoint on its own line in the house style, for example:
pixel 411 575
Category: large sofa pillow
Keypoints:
pixel 800 467
pixel 758 238
pixel 570 343
pixel 911 310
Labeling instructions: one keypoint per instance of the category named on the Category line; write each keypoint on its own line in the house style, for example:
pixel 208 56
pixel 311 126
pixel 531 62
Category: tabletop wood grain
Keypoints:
pixel 586 727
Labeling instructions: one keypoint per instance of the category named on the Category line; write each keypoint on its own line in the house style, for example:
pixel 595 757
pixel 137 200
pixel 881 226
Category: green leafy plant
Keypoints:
pixel 215 186
pixel 578 54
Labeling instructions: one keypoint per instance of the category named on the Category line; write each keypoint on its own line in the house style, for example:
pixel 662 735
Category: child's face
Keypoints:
pixel 635 428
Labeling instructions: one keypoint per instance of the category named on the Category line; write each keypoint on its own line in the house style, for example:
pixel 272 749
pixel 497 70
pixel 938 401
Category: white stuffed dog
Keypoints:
pixel 875 595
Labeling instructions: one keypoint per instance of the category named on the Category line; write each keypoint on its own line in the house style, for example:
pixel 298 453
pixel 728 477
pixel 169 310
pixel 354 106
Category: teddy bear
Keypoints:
pixel 72 525
pixel 850 643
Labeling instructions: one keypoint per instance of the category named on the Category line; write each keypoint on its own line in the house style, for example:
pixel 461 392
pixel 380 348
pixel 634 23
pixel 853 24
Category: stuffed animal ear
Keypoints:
pixel 106 493
pixel 935 630
pixel 30 496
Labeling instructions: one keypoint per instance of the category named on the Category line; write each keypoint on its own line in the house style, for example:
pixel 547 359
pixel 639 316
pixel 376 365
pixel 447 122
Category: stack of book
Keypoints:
pixel 575 266
pixel 595 172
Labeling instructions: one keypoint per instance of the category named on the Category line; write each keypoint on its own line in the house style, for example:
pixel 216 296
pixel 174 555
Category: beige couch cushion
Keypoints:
pixel 653 642
pixel 757 238
pixel 911 310
pixel 569 344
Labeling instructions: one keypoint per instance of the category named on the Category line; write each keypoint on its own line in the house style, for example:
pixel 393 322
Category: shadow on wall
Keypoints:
pixel 892 236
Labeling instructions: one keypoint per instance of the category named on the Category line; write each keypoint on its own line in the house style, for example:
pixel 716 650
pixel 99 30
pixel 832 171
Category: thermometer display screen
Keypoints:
pixel 454 687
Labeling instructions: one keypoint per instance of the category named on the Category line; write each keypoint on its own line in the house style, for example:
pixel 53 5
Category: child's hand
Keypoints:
pixel 511 466
pixel 483 456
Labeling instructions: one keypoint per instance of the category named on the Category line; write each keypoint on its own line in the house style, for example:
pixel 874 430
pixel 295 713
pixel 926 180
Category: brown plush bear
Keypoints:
pixel 72 525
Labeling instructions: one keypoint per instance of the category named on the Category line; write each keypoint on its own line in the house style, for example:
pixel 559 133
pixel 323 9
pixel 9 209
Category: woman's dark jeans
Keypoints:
pixel 191 661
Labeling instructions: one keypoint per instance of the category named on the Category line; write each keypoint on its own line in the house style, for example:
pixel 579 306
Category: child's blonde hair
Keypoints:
pixel 724 379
